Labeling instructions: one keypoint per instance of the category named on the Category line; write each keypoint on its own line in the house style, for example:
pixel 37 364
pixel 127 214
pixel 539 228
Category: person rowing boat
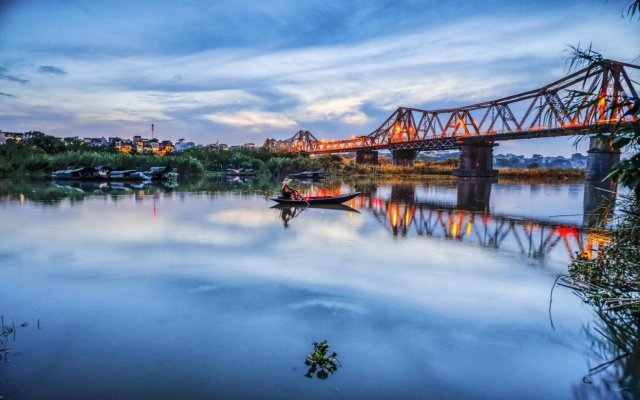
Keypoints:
pixel 289 193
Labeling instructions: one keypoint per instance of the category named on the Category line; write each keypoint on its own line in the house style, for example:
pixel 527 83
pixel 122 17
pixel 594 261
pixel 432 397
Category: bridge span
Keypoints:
pixel 592 100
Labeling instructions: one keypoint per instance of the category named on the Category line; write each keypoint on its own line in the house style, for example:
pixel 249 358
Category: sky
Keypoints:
pixel 243 71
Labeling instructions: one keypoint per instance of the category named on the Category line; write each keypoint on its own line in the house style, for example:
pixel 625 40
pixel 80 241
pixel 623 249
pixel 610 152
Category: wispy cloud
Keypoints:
pixel 251 119
pixel 6 94
pixel 51 70
pixel 11 78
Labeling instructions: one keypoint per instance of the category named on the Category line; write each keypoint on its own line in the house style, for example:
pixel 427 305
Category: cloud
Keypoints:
pixel 51 70
pixel 6 94
pixel 345 82
pixel 252 119
pixel 11 78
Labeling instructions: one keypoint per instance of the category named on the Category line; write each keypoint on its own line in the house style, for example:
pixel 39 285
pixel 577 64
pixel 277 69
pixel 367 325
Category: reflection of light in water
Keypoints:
pixel 406 217
pixel 454 230
pixel 490 231
pixel 394 216
pixel 155 211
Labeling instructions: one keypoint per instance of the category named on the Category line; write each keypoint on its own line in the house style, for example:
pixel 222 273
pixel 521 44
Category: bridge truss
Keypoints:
pixel 592 99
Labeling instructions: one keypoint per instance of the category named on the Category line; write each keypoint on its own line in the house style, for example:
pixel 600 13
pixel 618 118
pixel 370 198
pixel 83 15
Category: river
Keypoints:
pixel 424 289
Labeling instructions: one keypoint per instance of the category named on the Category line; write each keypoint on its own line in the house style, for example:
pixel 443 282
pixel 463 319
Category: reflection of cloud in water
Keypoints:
pixel 331 304
pixel 326 250
pixel 201 289
pixel 245 218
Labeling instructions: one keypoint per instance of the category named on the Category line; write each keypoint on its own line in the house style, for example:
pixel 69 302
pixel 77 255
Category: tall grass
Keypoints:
pixel 561 173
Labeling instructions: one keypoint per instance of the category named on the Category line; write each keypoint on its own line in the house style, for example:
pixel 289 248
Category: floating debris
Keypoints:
pixel 321 364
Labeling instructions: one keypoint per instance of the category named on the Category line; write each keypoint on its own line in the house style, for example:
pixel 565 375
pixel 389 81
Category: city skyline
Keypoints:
pixel 243 73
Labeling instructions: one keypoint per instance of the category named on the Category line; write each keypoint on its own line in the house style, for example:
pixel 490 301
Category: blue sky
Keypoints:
pixel 242 71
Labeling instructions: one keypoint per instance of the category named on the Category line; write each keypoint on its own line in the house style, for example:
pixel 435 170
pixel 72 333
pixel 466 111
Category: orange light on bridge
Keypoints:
pixel 567 232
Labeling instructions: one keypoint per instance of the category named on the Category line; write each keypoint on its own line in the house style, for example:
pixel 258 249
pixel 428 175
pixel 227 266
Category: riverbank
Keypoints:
pixel 447 168
pixel 20 159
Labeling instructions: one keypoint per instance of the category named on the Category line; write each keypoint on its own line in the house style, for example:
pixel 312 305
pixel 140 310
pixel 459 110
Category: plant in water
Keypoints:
pixel 321 363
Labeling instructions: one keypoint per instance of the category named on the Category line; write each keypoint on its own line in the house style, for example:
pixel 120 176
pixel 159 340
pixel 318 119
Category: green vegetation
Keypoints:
pixel 320 363
pixel 43 155
pixel 47 154
pixel 39 156
pixel 610 281
pixel 623 135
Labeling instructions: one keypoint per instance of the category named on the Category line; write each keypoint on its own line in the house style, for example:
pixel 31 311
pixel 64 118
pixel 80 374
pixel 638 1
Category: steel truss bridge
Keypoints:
pixel 595 98
pixel 535 238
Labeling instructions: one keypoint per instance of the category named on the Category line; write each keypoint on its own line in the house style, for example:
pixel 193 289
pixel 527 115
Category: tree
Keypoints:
pixel 626 172
pixel 50 144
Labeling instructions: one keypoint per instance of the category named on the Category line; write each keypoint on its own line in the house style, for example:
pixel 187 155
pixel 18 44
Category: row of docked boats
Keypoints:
pixel 106 173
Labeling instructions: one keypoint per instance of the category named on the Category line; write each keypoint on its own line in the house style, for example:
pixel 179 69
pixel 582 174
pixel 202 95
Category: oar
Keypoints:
pixel 302 197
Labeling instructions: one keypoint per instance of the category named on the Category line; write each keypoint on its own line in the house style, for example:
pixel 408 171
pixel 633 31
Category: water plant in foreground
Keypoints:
pixel 321 364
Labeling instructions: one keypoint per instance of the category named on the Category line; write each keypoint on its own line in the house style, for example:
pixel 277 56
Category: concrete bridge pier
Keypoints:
pixel 404 157
pixel 474 194
pixel 404 193
pixel 476 160
pixel 600 159
pixel 367 157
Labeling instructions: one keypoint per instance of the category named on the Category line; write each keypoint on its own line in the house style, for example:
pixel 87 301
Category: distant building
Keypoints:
pixel 124 146
pixel 95 142
pixel 249 146
pixel 15 136
pixel 165 147
pixel 217 146
pixel 33 134
pixel 183 145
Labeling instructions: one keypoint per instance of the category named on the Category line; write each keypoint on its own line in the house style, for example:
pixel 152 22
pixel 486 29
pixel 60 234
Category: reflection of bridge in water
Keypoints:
pixel 469 219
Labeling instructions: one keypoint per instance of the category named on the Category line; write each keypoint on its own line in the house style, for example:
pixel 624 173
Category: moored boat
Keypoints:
pixel 240 172
pixel 318 174
pixel 161 174
pixel 128 175
pixel 309 200
pixel 77 173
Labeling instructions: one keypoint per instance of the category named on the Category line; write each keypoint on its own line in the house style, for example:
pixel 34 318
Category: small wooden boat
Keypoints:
pixel 319 174
pixel 77 173
pixel 306 201
pixel 338 207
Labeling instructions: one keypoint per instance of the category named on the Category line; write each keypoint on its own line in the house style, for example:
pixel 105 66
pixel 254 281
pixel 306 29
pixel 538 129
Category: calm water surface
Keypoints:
pixel 424 289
